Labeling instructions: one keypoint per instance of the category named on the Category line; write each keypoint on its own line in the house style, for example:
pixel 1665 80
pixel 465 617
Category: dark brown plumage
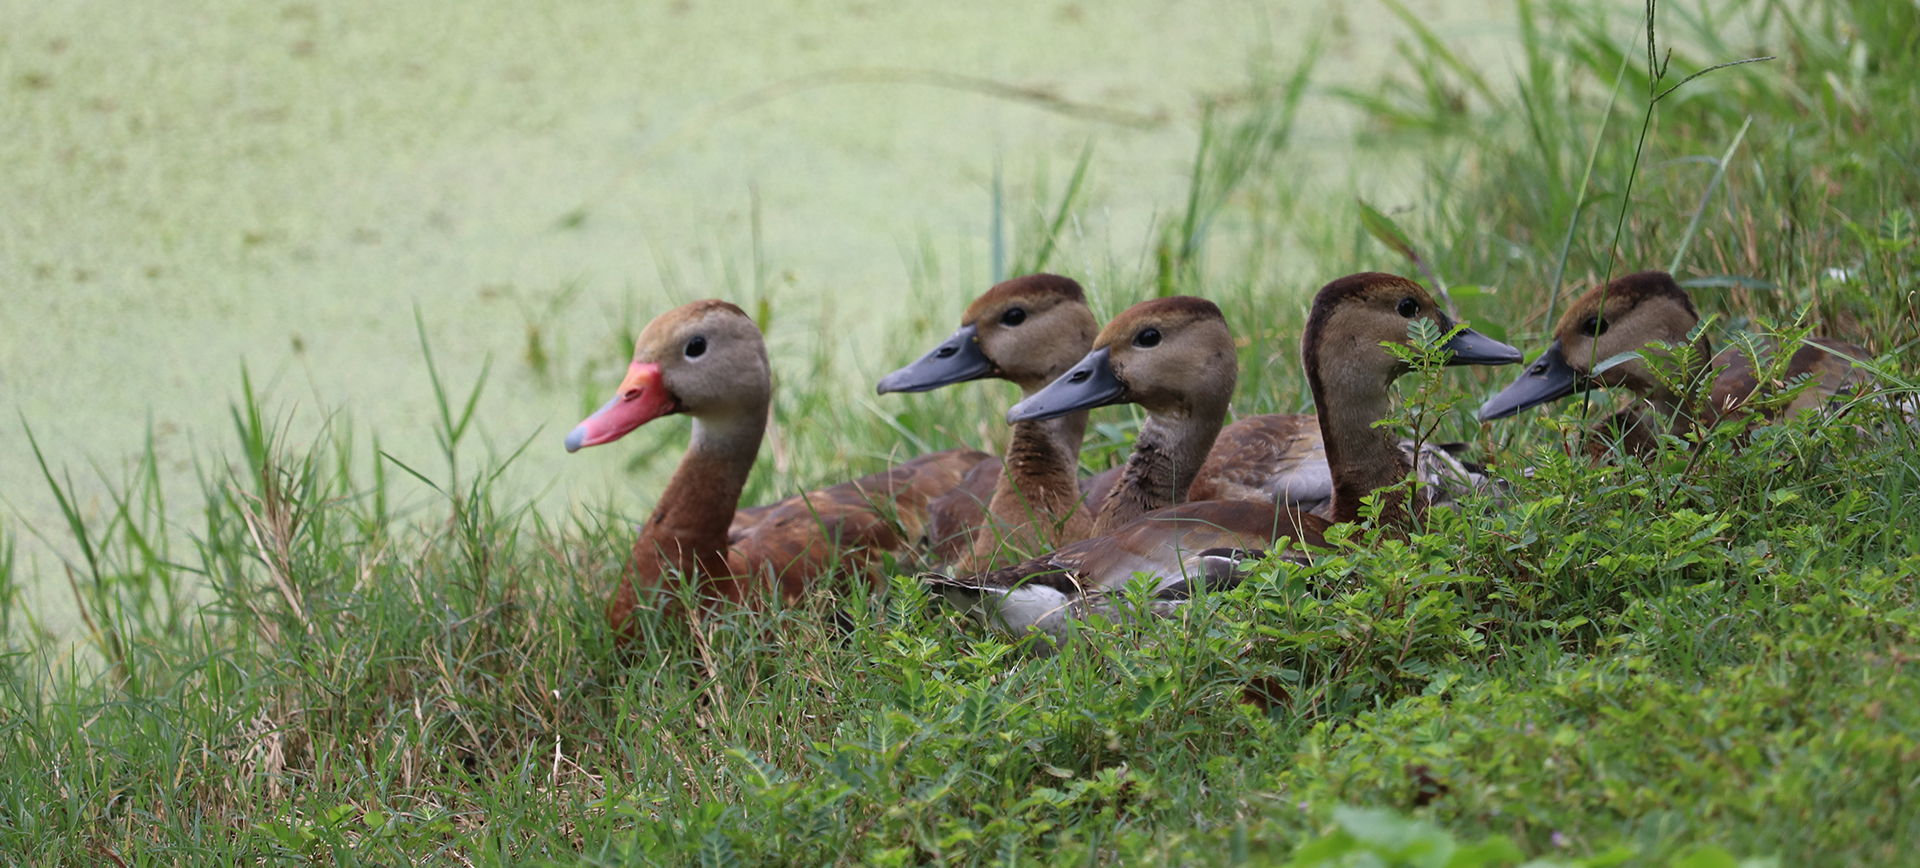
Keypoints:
pixel 956 517
pixel 1825 362
pixel 1277 457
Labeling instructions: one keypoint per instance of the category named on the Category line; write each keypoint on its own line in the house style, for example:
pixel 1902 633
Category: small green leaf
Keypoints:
pixel 1618 854
pixel 1706 857
pixel 1496 850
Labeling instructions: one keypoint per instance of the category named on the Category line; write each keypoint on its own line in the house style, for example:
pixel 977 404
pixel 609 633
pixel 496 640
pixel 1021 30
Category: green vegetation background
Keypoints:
pixel 1705 656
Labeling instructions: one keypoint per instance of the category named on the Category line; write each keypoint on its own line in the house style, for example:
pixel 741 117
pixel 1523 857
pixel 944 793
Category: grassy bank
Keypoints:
pixel 1708 655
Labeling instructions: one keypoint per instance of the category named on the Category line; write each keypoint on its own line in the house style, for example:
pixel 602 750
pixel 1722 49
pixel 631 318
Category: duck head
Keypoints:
pixel 1353 316
pixel 705 359
pixel 1172 356
pixel 1619 317
pixel 1027 330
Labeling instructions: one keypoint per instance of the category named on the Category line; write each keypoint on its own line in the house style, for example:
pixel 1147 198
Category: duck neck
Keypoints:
pixel 688 527
pixel 1360 457
pixel 1035 504
pixel 1166 456
pixel 1043 461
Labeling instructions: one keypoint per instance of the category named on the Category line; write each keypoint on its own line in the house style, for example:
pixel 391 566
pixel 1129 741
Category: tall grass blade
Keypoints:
pixel 96 602
pixel 1060 214
pixel 1719 172
pixel 1439 50
pixel 1580 197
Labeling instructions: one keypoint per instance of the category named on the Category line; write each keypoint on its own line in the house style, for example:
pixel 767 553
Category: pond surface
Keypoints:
pixel 194 187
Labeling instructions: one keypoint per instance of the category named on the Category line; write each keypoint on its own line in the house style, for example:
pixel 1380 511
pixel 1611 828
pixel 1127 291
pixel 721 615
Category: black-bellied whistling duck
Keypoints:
pixel 1175 358
pixel 1628 314
pixel 707 360
pixel 1028 331
pixel 1170 349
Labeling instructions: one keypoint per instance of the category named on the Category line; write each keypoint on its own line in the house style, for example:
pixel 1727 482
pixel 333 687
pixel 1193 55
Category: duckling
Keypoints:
pixel 1166 351
pixel 1175 358
pixel 1634 311
pixel 1028 331
pixel 708 361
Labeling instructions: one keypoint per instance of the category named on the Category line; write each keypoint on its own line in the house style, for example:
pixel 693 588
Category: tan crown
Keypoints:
pixel 1189 369
pixel 1621 316
pixel 729 375
pixel 1053 331
pixel 1352 317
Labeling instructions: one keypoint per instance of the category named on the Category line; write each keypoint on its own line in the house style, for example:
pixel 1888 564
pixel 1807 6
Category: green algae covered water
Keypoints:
pixel 192 187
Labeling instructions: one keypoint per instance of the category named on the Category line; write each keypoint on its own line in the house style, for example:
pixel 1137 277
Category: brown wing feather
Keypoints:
pixel 1097 487
pixel 745 519
pixel 1738 381
pixel 1834 377
pixel 851 525
pixel 1160 542
pixel 954 517
pixel 1259 458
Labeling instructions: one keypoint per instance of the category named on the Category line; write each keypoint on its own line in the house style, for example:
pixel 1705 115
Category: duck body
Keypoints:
pixel 1282 458
pixel 1203 544
pixel 954 518
pixel 1630 314
pixel 1823 360
pixel 708 361
pixel 1176 551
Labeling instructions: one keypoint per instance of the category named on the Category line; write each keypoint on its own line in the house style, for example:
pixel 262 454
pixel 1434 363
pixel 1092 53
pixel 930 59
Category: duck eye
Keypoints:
pixel 1013 317
pixel 1147 338
pixel 1409 307
pixel 1593 327
pixel 696 347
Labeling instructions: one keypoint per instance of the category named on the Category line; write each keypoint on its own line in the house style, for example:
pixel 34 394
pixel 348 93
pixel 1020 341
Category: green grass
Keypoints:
pixel 1708 655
